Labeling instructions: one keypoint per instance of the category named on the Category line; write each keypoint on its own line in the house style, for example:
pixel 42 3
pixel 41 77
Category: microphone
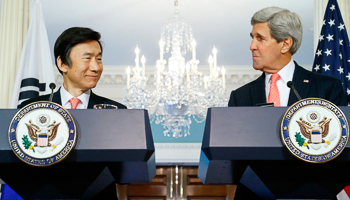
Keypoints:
pixel 52 87
pixel 290 84
pixel 265 105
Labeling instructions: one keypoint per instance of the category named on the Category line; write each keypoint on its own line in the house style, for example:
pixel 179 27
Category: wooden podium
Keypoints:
pixel 242 145
pixel 113 146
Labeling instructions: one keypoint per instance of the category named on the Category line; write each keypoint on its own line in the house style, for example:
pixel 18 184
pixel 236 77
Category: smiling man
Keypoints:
pixel 276 36
pixel 78 54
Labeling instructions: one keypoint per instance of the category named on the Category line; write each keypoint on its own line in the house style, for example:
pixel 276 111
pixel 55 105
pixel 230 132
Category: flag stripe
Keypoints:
pixel 33 82
pixel 28 94
pixel 347 190
pixel 343 196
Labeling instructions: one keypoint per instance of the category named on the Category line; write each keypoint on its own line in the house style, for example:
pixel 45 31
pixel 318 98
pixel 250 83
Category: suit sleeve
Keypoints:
pixel 337 94
pixel 20 106
pixel 231 102
pixel 24 103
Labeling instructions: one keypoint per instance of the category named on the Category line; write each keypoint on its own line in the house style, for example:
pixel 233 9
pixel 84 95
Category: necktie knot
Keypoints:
pixel 74 102
pixel 274 78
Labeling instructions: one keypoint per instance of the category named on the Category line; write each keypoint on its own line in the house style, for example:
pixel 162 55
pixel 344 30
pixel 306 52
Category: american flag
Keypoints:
pixel 333 56
pixel 333 52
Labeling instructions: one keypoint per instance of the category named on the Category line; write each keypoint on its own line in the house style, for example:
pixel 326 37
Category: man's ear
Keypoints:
pixel 287 44
pixel 63 67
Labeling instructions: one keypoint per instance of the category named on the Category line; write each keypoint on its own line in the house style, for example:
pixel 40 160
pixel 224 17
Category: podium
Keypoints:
pixel 113 146
pixel 242 145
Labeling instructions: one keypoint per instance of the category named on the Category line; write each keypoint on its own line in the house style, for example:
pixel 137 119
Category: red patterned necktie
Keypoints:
pixel 274 95
pixel 74 102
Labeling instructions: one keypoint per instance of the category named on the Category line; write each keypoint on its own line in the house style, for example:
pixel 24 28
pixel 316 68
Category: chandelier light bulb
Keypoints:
pixel 143 59
pixel 188 66
pixel 215 51
pixel 210 60
pixel 205 80
pixel 215 61
pixel 193 43
pixel 161 43
pixel 137 51
pixel 161 51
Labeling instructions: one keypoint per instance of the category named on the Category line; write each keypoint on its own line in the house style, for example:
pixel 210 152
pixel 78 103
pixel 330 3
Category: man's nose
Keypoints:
pixel 95 65
pixel 253 45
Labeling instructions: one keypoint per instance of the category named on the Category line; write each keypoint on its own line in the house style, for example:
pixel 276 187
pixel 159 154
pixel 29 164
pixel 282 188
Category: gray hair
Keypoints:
pixel 283 24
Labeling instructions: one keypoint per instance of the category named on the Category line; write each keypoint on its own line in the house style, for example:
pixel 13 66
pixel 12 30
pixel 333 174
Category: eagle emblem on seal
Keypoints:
pixel 314 129
pixel 42 133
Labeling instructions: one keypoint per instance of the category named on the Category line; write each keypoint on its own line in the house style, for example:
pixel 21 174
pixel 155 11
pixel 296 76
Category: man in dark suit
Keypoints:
pixel 78 57
pixel 276 36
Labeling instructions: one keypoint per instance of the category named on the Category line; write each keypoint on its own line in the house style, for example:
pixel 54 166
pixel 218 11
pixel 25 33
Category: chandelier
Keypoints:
pixel 181 93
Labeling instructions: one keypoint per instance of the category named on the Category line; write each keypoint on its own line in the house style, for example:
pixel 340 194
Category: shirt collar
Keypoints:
pixel 286 73
pixel 66 96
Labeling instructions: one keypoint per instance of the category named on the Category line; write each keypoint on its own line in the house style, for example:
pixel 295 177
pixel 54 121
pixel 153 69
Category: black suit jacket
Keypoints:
pixel 94 99
pixel 308 84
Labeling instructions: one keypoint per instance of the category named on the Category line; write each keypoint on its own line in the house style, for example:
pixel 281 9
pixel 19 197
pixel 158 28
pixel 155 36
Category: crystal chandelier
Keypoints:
pixel 181 93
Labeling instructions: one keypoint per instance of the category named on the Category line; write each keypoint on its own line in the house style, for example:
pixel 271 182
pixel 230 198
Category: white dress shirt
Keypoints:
pixel 286 74
pixel 66 96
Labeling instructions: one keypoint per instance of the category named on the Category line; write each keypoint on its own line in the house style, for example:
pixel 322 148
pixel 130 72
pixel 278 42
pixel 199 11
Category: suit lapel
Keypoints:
pixel 258 91
pixel 301 81
pixel 92 100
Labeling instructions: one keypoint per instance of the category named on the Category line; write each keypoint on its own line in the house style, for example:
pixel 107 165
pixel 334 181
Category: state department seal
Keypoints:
pixel 314 130
pixel 42 133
